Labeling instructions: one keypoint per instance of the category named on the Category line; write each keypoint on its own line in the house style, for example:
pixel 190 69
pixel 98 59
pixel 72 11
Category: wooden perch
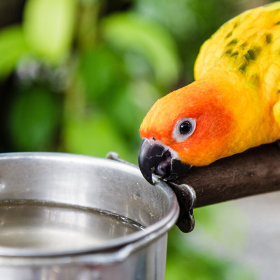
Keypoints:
pixel 252 172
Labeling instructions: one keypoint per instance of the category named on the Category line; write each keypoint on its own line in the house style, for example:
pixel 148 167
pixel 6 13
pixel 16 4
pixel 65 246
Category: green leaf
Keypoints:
pixel 33 120
pixel 12 47
pixel 93 135
pixel 48 27
pixel 131 106
pixel 102 72
pixel 132 32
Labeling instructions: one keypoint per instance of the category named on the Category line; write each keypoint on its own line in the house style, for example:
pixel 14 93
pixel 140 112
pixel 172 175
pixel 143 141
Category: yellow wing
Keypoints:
pixel 249 46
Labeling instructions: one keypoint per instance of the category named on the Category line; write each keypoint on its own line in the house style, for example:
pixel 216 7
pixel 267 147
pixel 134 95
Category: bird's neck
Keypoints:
pixel 252 110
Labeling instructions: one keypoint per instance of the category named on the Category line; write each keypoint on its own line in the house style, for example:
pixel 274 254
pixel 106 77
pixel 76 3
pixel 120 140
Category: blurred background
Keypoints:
pixel 78 76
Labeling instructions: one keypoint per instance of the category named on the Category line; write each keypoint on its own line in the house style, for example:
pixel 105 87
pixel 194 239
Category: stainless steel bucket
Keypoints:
pixel 51 203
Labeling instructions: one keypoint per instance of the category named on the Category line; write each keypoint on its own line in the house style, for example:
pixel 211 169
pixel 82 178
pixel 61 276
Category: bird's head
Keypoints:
pixel 191 126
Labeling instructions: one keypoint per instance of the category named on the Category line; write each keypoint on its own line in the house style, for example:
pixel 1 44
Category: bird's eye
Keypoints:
pixel 183 129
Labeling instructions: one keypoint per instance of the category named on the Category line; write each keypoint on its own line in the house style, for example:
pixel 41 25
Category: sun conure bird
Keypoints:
pixel 233 104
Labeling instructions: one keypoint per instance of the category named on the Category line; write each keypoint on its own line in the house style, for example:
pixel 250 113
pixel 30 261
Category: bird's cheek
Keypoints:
pixel 205 146
pixel 197 154
pixel 187 152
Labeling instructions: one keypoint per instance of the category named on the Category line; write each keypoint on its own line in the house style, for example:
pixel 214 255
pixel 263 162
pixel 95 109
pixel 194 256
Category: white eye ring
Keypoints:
pixel 183 129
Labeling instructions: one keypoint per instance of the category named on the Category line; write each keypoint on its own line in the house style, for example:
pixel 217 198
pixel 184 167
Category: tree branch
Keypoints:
pixel 252 172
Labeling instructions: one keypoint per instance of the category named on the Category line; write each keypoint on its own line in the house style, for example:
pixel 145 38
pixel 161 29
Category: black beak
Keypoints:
pixel 155 157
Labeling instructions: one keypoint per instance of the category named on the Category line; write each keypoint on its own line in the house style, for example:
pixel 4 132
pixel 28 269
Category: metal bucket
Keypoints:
pixel 76 217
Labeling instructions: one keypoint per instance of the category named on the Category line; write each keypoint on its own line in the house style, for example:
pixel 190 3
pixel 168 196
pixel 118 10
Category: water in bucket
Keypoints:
pixel 44 225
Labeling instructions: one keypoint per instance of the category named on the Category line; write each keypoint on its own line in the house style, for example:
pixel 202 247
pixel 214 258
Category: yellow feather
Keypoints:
pixel 249 47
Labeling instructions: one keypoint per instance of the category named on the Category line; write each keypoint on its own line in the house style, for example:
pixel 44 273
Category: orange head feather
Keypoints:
pixel 204 105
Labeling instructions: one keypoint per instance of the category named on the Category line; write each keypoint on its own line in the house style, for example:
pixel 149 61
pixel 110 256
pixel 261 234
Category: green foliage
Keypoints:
pixel 94 135
pixel 12 47
pixel 131 106
pixel 48 27
pixel 103 75
pixel 131 32
pixel 203 253
pixel 33 119
pixel 190 22
pixel 187 261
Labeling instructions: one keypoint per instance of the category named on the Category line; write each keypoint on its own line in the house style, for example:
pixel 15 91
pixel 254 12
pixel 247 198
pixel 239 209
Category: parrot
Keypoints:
pixel 232 105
